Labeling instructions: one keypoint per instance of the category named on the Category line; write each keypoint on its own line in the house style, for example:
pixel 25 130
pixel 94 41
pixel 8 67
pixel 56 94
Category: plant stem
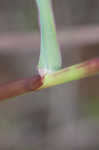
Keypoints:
pixel 50 57
pixel 16 88
pixel 75 72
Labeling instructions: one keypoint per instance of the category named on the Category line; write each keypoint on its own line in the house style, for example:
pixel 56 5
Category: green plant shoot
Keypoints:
pixel 50 57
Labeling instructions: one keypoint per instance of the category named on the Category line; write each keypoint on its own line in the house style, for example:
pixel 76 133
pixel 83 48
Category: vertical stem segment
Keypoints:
pixel 50 58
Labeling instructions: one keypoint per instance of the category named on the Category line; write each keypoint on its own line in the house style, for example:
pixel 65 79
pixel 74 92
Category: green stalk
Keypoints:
pixel 74 72
pixel 50 58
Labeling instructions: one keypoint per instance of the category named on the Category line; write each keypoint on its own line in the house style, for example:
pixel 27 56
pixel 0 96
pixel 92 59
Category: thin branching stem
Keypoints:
pixel 75 72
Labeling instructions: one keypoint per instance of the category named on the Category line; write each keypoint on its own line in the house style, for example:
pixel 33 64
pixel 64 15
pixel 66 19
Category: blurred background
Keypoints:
pixel 58 118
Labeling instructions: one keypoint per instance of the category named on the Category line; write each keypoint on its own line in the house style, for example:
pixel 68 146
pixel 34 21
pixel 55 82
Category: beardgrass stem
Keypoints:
pixel 75 72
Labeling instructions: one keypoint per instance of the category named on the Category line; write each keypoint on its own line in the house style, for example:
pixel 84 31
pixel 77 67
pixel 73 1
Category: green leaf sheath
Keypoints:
pixel 50 57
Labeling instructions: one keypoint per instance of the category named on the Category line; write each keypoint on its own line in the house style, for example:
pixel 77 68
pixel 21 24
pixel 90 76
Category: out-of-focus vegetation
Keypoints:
pixel 18 15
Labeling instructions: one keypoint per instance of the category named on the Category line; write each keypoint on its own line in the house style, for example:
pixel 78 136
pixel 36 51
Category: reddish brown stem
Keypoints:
pixel 15 88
